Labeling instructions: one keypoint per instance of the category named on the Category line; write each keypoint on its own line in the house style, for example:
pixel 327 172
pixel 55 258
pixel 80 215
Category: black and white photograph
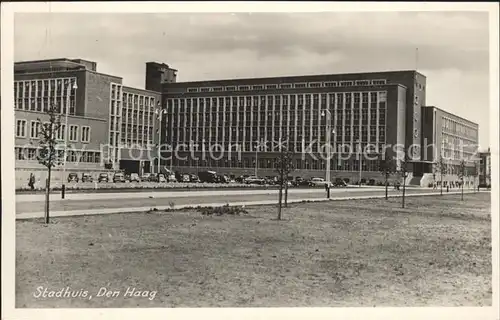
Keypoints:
pixel 250 155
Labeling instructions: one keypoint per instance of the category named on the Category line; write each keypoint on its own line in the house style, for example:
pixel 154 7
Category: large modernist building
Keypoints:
pixel 377 109
pixel 233 126
pixel 485 167
pixel 110 126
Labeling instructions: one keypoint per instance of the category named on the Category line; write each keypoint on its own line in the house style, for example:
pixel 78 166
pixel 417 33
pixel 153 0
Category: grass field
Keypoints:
pixel 437 252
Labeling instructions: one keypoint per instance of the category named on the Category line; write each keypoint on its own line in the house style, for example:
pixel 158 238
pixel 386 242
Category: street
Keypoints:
pixel 110 202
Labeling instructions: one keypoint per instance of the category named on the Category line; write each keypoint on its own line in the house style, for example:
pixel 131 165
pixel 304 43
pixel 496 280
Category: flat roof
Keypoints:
pixel 145 90
pixel 452 114
pixel 312 77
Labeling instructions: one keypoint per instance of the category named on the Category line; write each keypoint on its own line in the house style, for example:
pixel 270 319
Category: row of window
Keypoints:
pixel 458 128
pixel 297 144
pixel 270 163
pixel 342 98
pixel 115 119
pixel 299 85
pixel 45 87
pixel 139 100
pixel 42 104
pixel 71 156
pixel 35 126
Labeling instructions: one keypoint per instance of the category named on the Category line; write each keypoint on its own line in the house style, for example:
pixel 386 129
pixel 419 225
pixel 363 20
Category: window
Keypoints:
pixel 244 88
pixel 231 88
pixel 73 133
pixel 61 132
pixel 346 83
pixel 379 82
pixel 21 128
pixel 205 89
pixel 272 86
pixel 315 85
pixel 258 87
pixel 362 82
pixel 217 89
pixel 192 90
pixel 382 96
pixel 35 129
pixel 300 85
pixel 85 134
pixel 286 86
pixel 330 84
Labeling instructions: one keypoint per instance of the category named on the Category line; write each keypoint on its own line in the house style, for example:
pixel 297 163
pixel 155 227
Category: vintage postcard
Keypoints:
pixel 253 159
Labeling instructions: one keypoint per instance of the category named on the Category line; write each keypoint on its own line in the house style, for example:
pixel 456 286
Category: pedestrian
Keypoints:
pixel 31 181
pixel 327 189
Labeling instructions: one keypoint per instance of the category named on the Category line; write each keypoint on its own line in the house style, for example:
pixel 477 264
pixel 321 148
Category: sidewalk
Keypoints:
pixel 32 215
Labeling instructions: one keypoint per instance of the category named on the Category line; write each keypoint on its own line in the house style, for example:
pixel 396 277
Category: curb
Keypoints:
pixel 73 213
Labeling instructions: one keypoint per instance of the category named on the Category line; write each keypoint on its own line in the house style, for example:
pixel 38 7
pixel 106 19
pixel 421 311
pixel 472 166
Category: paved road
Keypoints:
pixel 190 197
pixel 174 194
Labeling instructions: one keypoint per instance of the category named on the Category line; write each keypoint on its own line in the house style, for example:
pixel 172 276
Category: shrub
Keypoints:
pixel 224 210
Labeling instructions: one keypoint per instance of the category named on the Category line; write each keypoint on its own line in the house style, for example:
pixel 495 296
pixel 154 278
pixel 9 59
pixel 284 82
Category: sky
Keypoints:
pixel 453 47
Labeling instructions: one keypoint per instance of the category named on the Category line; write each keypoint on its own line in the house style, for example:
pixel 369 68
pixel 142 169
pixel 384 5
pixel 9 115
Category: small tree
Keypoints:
pixel 442 168
pixel 287 167
pixel 435 170
pixel 283 166
pixel 403 171
pixel 386 167
pixel 48 154
pixel 461 175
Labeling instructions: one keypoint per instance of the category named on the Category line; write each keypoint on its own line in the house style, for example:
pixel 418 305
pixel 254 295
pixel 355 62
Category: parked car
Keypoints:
pixel 223 179
pixel 146 177
pixel 208 176
pixel 171 176
pixel 339 182
pixel 134 177
pixel 194 178
pixel 119 177
pixel 73 177
pixel 103 177
pixel 254 180
pixel 318 182
pixel 161 178
pixel 186 178
pixel 299 181
pixel 87 177
pixel 269 180
pixel 241 179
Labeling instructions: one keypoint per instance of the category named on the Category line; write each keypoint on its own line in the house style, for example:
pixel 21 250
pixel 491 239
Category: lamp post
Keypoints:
pixel 160 112
pixel 328 132
pixel 360 162
pixel 68 88
pixel 257 148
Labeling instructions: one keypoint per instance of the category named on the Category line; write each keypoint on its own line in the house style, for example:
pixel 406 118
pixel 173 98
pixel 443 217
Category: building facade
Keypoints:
pixel 448 136
pixel 247 119
pixel 485 168
pixel 109 126
pixel 235 126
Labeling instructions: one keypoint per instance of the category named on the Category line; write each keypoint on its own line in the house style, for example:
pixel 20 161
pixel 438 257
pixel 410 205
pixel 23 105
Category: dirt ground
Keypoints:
pixel 364 253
